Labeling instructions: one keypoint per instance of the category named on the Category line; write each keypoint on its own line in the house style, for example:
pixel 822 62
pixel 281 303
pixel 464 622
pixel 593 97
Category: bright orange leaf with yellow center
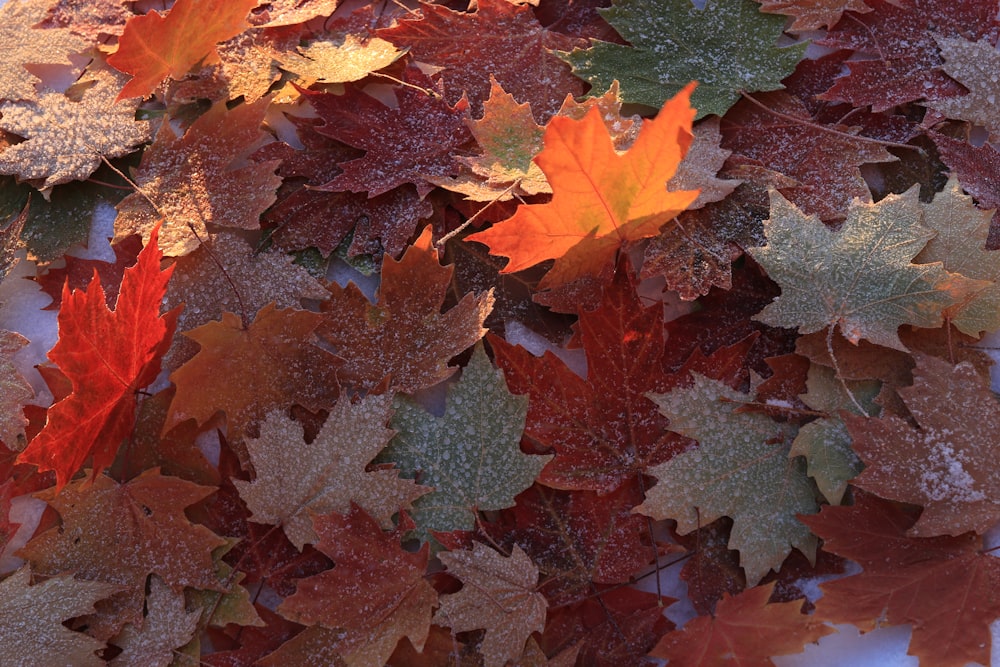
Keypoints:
pixel 601 199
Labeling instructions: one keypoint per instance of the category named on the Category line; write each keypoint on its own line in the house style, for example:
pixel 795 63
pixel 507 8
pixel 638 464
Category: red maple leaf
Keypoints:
pixel 499 38
pixel 108 355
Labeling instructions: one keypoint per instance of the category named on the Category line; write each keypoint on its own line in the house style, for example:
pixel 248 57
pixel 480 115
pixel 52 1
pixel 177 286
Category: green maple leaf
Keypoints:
pixel 859 278
pixel 727 47
pixel 741 469
pixel 470 455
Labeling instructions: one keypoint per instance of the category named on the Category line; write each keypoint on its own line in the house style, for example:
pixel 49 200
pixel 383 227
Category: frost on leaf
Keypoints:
pixel 376 592
pixel 674 42
pixel 945 587
pixel 859 279
pixel 740 469
pixel 947 464
pixel 294 481
pixel 65 138
pixel 976 65
pixel 245 371
pixel 151 535
pixel 602 200
pixel 813 14
pixel 14 391
pixel 960 245
pixel 470 455
pixel 744 630
pixel 498 594
pixel 338 59
pixel 192 181
pixel 32 617
pixel 153 47
pixel 21 44
pixel 107 355
pixel 403 341
pixel 167 626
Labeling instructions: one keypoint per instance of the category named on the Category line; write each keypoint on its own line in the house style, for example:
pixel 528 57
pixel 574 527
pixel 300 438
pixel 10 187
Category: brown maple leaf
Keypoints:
pixel 402 342
pixel 21 44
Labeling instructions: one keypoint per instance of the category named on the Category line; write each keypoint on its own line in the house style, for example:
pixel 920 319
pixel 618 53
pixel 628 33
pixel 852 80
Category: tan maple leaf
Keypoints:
pixel 31 619
pixel 339 59
pixel 403 340
pixel 498 594
pixel 190 181
pixel 65 139
pixel 976 65
pixel 295 480
pixel 166 627
pixel 14 391
pixel 21 44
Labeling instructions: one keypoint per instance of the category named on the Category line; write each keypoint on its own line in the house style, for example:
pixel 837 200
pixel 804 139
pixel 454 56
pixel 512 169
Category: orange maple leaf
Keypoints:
pixel 153 47
pixel 601 199
pixel 107 355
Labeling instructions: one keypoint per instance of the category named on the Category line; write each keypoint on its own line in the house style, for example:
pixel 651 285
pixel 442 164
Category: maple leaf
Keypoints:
pixel 945 464
pixel 945 587
pixel 976 166
pixel 741 469
pixel 277 13
pixel 33 616
pixel 974 65
pixel 649 72
pixel 403 144
pixel 960 245
pixel 824 160
pixel 295 481
pixel 813 14
pixel 601 199
pixel 88 18
pixel 900 60
pixel 275 359
pixel 21 44
pixel 108 355
pixel 153 47
pixel 339 59
pixel 78 273
pixel 701 164
pixel 191 181
pixel 825 442
pixel 403 339
pixel 500 40
pixel 65 138
pixel 152 536
pixel 498 594
pixel 379 588
pixel 745 629
pixel 166 627
pixel 859 278
pixel 14 390
pixel 470 455
pixel 603 429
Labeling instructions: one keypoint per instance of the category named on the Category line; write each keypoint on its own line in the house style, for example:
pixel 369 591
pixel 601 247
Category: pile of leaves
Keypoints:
pixel 244 461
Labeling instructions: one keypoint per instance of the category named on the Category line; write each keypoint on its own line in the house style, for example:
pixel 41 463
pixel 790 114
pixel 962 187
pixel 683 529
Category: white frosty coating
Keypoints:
pixel 945 476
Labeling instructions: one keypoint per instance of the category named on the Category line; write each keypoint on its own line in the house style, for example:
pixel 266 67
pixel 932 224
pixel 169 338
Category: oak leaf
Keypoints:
pixel 32 617
pixel 813 14
pixel 66 138
pixel 152 536
pixel 21 44
pixel 403 339
pixel 859 278
pixel 108 355
pixel 376 593
pixel 191 181
pixel 602 200
pixel 500 40
pixel 650 72
pixel 744 629
pixel 945 587
pixel 153 47
pixel 470 455
pixel 960 245
pixel 498 594
pixel 295 480
pixel 740 469
pixel 275 359
pixel 944 465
